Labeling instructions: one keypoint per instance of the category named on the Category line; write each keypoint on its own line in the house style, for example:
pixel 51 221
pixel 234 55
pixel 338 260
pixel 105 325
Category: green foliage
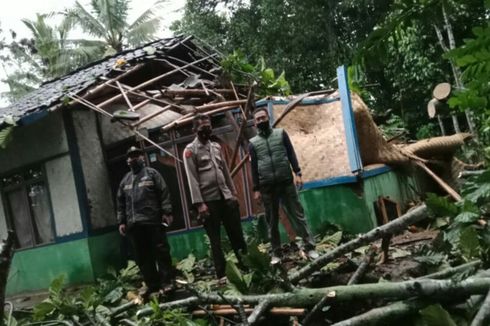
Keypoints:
pixel 107 20
pixel 464 238
pixel 436 315
pixel 474 58
pixel 261 278
pixel 393 126
pixel 239 70
pixel 186 266
pixel 169 317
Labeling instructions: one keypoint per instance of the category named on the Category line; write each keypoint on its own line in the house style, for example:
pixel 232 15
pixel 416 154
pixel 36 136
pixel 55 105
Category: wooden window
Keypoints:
pixel 28 207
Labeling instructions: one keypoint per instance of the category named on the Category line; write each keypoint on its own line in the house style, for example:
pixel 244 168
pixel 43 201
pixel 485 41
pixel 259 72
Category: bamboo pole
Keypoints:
pixel 240 131
pixel 153 80
pixel 279 311
pixel 150 116
pixel 100 87
pixel 439 181
pixel 152 98
pixel 185 62
pixel 130 105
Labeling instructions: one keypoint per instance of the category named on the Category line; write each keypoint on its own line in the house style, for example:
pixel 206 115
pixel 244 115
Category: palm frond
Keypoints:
pixel 81 17
pixel 143 32
pixel 147 15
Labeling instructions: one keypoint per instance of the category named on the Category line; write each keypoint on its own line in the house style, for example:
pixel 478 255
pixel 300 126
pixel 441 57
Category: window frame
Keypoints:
pixel 23 186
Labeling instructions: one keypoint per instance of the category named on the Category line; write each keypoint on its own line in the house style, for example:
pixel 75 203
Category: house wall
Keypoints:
pixel 34 143
pixel 64 199
pixel 95 173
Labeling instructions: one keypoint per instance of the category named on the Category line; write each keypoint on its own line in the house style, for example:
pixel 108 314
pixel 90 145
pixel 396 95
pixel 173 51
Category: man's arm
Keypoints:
pixel 121 205
pixel 192 176
pixel 293 160
pixel 165 202
pixel 254 167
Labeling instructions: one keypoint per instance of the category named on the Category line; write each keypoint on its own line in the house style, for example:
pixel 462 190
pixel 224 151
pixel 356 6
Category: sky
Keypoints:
pixel 13 11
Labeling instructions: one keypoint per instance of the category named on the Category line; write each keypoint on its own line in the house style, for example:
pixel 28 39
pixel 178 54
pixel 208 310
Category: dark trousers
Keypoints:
pixel 224 212
pixel 151 249
pixel 287 195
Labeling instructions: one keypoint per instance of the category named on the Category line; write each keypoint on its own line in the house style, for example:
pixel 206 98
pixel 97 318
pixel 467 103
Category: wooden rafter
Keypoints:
pixel 98 109
pixel 153 80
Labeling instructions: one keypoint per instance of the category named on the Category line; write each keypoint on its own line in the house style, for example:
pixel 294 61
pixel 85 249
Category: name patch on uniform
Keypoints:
pixel 146 183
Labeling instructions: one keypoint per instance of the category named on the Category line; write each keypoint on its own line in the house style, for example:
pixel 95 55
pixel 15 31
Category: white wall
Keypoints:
pixel 63 193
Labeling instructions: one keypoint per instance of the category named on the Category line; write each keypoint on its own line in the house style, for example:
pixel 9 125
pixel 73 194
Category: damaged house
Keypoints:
pixel 65 156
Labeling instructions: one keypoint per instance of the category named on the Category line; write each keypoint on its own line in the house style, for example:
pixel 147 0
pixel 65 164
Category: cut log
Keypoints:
pixel 442 91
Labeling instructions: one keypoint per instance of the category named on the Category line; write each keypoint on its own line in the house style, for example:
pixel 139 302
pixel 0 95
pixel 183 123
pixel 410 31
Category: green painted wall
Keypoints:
pixel 82 261
pixel 105 251
pixel 34 269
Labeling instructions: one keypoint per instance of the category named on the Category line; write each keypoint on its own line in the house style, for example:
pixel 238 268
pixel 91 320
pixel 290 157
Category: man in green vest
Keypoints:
pixel 272 157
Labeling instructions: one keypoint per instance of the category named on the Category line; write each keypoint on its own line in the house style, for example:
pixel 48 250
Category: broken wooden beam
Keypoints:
pixel 153 80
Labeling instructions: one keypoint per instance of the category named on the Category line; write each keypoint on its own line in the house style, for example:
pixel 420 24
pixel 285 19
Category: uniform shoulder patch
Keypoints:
pixel 187 153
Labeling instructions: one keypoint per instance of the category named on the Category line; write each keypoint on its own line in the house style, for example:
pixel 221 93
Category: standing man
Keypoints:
pixel 213 193
pixel 272 156
pixel 144 211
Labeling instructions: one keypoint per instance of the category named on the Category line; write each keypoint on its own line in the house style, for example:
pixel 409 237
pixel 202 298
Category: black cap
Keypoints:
pixel 133 151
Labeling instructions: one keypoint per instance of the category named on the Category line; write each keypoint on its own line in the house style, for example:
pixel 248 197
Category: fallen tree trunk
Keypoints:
pixel 379 316
pixel 361 270
pixel 304 297
pixel 5 260
pixel 483 315
pixel 382 314
pixel 392 227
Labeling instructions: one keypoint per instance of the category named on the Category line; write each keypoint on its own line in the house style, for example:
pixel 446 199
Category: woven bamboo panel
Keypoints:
pixel 317 133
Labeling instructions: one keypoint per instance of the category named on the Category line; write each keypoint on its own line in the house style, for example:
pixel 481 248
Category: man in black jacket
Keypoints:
pixel 144 211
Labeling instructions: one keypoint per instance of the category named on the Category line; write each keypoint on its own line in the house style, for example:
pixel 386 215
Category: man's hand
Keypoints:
pixel 167 219
pixel 122 229
pixel 298 181
pixel 257 196
pixel 203 209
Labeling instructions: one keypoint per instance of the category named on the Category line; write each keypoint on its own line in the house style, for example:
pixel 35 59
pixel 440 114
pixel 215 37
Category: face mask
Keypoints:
pixel 136 165
pixel 205 133
pixel 263 126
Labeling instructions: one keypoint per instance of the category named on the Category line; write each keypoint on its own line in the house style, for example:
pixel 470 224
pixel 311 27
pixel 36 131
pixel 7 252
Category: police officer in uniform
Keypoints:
pixel 213 193
pixel 144 211
pixel 272 156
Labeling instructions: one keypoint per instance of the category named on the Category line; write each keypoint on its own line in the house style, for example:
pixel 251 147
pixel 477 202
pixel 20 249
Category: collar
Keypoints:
pixel 265 133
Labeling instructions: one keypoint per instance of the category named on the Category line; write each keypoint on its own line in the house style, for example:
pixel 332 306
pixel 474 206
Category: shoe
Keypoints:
pixel 167 289
pixel 275 260
pixel 313 254
pixel 222 281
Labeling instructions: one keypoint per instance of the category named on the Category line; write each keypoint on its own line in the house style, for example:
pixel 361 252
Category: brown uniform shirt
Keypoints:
pixel 207 172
